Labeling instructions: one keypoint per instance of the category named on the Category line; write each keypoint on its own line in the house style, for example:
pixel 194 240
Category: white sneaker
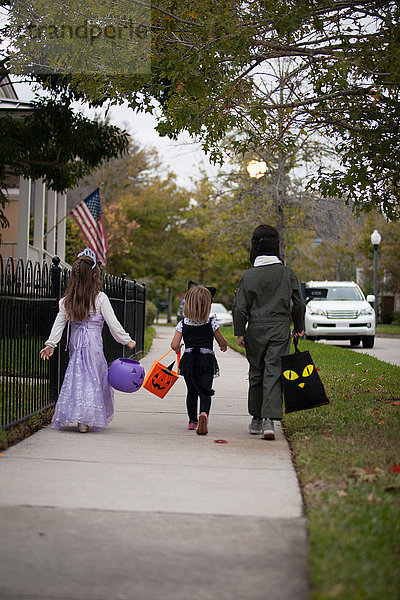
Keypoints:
pixel 268 431
pixel 82 428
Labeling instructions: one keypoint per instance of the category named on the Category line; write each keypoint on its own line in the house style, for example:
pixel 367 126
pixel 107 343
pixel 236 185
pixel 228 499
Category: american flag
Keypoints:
pixel 89 218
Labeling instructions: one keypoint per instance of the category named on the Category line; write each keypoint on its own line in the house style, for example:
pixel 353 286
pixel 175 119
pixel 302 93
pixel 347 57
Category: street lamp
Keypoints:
pixel 256 168
pixel 375 241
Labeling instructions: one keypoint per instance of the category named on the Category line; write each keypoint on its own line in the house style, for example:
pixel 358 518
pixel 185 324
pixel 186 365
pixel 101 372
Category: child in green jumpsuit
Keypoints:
pixel 261 315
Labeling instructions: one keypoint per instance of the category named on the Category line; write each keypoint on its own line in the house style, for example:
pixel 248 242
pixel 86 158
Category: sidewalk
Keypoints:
pixel 148 510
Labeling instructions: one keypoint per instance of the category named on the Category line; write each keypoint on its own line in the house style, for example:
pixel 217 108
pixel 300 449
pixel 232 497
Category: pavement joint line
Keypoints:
pixel 153 464
pixel 81 509
pixel 11 595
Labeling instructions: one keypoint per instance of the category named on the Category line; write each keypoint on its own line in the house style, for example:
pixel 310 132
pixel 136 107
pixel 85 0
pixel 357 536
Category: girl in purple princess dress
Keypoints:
pixel 85 397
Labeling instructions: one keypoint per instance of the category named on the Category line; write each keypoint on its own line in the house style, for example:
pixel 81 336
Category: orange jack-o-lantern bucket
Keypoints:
pixel 160 379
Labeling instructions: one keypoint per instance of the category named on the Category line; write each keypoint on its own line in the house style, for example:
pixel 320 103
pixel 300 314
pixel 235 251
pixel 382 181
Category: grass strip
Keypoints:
pixel 388 329
pixel 149 335
pixel 347 456
pixel 19 432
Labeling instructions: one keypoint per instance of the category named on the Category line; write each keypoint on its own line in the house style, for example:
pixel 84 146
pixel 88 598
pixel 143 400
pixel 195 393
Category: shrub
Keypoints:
pixel 396 318
pixel 151 313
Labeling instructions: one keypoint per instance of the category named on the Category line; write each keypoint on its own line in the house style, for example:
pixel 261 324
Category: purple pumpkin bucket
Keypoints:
pixel 126 375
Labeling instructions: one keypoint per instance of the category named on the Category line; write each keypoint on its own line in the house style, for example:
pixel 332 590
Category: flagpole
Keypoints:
pixel 54 226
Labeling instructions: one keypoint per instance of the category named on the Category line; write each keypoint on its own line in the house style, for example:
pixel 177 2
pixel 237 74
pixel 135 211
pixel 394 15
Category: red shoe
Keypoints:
pixel 192 425
pixel 202 427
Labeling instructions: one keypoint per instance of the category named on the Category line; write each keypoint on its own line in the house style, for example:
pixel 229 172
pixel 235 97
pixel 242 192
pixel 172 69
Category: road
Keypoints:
pixel 385 348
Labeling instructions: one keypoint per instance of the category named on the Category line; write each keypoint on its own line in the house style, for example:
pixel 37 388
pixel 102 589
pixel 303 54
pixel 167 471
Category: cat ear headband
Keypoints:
pixel 89 252
pixel 212 290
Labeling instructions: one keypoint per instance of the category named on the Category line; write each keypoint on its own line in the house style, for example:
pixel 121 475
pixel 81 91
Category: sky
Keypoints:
pixel 184 157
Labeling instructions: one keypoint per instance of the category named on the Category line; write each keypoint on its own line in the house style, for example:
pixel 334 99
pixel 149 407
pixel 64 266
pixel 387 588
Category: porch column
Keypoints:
pixel 38 218
pixel 61 228
pixel 24 209
pixel 51 222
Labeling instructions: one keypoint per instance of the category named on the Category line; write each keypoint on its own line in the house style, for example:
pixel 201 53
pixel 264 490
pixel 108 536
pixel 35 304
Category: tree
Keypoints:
pixel 75 242
pixel 55 144
pixel 323 236
pixel 144 212
pixel 211 62
pixel 214 253
pixel 388 252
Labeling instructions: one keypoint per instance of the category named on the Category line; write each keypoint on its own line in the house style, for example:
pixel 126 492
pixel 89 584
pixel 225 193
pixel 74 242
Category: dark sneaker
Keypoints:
pixel 255 426
pixel 268 431
pixel 202 427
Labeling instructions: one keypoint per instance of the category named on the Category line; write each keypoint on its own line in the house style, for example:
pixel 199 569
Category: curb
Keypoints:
pixel 387 335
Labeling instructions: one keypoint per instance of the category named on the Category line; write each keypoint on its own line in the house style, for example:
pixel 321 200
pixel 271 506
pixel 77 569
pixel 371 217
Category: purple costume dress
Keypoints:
pixel 85 395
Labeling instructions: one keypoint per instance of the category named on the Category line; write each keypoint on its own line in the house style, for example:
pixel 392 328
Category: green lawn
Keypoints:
pixel 32 396
pixel 20 356
pixel 344 455
pixel 149 334
pixel 391 329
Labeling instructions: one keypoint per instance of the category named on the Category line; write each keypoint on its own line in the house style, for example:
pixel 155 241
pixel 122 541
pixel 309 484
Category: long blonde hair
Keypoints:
pixel 83 286
pixel 197 303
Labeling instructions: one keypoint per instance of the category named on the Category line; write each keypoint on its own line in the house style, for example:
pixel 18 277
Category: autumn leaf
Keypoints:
pixel 395 468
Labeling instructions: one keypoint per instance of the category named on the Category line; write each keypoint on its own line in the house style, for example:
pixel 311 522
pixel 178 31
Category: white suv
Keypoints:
pixel 338 310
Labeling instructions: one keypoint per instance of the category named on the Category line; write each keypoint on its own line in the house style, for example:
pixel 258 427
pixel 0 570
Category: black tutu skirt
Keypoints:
pixel 195 363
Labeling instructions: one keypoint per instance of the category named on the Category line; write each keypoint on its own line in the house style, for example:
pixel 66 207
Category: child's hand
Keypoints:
pixel 221 341
pixel 46 352
pixel 132 344
pixel 297 334
pixel 240 341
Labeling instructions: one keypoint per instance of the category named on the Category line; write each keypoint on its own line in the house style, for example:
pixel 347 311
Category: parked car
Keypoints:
pixel 223 315
pixel 338 310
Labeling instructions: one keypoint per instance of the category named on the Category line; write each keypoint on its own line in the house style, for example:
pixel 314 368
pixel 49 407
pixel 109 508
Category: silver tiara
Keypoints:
pixel 89 252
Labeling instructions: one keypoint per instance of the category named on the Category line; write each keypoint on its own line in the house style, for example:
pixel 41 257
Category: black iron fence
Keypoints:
pixel 29 295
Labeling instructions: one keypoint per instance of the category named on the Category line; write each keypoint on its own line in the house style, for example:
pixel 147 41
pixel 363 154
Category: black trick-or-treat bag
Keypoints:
pixel 302 386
